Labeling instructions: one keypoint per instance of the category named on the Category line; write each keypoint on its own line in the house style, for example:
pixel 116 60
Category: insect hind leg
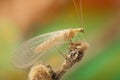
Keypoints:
pixel 64 56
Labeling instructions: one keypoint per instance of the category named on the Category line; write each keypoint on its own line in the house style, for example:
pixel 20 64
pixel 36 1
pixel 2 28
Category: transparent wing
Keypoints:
pixel 54 57
pixel 25 56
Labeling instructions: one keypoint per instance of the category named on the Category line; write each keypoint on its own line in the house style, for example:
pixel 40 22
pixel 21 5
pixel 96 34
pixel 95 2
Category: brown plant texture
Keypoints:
pixel 75 54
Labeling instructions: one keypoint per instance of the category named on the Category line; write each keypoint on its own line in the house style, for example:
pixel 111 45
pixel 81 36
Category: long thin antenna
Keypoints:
pixel 77 10
pixel 79 14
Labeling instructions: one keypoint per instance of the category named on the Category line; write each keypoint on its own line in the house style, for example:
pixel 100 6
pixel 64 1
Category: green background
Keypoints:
pixel 102 32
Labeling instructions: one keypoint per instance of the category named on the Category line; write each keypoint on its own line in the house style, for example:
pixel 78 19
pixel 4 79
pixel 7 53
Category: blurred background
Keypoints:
pixel 23 19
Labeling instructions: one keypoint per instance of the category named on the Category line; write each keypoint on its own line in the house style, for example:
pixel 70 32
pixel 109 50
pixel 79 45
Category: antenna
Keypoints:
pixel 79 14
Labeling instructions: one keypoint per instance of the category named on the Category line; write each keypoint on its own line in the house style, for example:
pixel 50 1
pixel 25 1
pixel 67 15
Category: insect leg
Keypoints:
pixel 61 53
pixel 80 36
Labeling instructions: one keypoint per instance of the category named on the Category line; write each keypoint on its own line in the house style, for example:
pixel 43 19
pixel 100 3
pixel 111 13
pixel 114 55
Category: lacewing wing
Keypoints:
pixel 30 51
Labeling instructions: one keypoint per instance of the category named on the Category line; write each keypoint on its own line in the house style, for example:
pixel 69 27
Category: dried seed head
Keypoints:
pixel 77 50
pixel 80 46
pixel 40 72
pixel 84 46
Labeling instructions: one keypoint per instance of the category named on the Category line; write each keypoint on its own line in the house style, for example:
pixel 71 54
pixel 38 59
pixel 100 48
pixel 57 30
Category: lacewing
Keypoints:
pixel 32 50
